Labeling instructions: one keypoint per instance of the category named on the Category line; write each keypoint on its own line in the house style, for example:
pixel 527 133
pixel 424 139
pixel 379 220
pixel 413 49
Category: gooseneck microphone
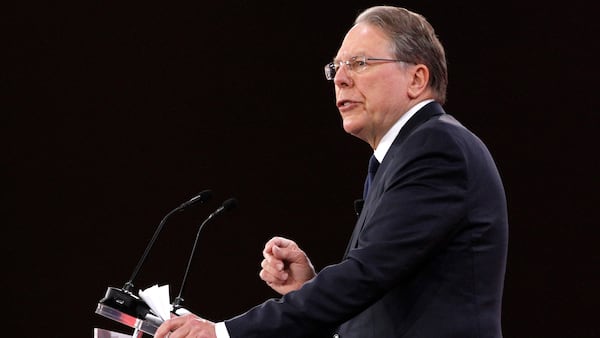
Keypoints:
pixel 226 206
pixel 124 299
pixel 198 199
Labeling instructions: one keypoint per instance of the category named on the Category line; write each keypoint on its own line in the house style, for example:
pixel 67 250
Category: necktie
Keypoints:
pixel 373 165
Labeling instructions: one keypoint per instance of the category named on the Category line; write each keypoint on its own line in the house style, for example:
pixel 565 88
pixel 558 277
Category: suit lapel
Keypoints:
pixel 428 111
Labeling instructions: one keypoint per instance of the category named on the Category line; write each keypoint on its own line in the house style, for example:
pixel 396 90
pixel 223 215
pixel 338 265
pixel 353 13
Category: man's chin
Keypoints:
pixel 352 128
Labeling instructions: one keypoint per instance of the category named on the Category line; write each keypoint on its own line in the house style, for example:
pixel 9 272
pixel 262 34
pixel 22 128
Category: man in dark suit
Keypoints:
pixel 427 256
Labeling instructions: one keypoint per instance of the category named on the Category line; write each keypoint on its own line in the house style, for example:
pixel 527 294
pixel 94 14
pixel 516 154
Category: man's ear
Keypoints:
pixel 419 80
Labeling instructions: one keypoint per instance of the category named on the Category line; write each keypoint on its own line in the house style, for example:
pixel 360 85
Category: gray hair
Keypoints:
pixel 413 40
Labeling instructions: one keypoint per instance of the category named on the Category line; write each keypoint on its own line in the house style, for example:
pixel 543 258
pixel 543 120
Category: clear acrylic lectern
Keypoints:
pixel 127 309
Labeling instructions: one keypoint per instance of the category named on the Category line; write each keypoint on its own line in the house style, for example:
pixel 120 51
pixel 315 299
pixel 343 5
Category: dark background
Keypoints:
pixel 114 113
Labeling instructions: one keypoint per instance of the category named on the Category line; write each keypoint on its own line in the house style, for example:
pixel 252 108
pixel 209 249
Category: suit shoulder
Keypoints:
pixel 446 126
pixel 441 133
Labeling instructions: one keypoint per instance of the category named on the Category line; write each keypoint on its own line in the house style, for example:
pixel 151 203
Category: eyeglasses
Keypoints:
pixel 356 64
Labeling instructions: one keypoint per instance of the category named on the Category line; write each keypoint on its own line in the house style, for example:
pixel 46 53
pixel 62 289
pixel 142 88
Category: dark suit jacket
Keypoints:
pixel 427 256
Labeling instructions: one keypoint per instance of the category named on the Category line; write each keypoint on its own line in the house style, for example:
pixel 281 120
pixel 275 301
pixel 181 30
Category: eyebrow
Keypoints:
pixel 352 56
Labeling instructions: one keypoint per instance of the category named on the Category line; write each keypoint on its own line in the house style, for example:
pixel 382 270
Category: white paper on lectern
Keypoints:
pixel 157 298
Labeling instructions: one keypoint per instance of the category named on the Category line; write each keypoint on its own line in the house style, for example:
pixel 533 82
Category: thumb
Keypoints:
pixel 287 254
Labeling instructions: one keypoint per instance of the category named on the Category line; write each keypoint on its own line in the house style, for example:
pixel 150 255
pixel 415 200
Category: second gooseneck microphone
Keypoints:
pixel 226 206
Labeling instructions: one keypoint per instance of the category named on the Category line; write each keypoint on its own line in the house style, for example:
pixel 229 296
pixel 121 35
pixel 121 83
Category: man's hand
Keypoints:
pixel 188 325
pixel 285 267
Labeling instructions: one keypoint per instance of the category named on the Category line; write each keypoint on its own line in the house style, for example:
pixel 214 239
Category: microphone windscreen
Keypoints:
pixel 230 204
pixel 200 198
pixel 205 195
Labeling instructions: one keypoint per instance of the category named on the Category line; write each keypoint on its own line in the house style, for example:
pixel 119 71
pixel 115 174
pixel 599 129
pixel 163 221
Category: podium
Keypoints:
pixel 127 309
pixel 148 325
pixel 122 306
pixel 101 333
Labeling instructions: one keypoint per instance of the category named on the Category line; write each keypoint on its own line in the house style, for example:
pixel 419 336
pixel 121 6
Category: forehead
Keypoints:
pixel 365 39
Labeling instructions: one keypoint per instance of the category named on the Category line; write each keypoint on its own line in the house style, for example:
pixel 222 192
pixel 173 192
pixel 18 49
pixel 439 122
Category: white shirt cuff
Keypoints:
pixel 221 330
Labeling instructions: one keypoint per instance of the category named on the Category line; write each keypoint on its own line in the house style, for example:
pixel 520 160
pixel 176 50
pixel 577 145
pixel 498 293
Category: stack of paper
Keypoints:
pixel 157 298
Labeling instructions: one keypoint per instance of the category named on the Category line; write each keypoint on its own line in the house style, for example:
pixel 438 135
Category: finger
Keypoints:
pixel 269 273
pixel 268 248
pixel 270 279
pixel 271 260
pixel 166 327
pixel 275 241
pixel 282 242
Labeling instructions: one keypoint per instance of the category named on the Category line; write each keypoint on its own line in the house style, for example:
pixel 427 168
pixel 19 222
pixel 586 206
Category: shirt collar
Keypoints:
pixel 390 136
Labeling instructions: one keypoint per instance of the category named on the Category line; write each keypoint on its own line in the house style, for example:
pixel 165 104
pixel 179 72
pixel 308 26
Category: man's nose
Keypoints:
pixel 342 76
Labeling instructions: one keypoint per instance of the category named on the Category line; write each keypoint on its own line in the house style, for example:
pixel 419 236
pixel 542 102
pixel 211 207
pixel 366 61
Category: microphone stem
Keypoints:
pixel 128 287
pixel 178 300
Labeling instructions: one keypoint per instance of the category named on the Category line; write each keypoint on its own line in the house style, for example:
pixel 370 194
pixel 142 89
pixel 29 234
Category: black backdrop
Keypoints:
pixel 114 113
